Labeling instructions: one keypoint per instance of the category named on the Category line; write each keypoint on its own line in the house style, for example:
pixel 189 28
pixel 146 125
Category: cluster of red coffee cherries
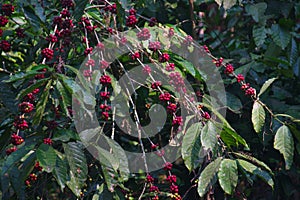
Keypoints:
pixel 229 70
pixel 171 180
pixel 7 10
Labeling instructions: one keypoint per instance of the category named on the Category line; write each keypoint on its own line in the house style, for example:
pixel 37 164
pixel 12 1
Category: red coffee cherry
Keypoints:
pixel 16 139
pixel 105 80
pixel 164 57
pixel 5 46
pixel 250 91
pixel 47 141
pixel 20 124
pixel 177 121
pixel 26 107
pixel 152 22
pixel 10 150
pixel 144 34
pixel 149 179
pixel 154 46
pixel 240 78
pixel 168 166
pixel 20 32
pixel 229 69
pixel 131 21
pixel 47 53
pixel 132 11
pixel 7 9
pixel 165 96
pixel 3 20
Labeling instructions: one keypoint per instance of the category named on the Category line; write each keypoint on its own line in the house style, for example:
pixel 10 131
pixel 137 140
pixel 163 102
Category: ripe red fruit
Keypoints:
pixel 88 51
pixel 37 166
pixel 132 11
pixel 10 150
pixel 67 3
pixel 47 53
pixel 165 96
pixel 152 22
pixel 240 78
pixel 20 124
pixel 135 55
pixel 149 179
pixel 47 141
pixel 218 62
pixel 164 57
pixel 171 108
pixel 173 189
pixel 90 62
pixel 171 32
pixel 147 69
pixel 104 95
pixel 172 179
pixel 20 32
pixel 3 20
pixel 170 67
pixel 177 121
pixel 168 166
pixel 26 107
pixel 7 9
pixel 1 32
pixel 250 91
pixel 105 80
pixel 154 46
pixel 155 85
pixel 229 69
pixel 144 34
pixel 5 45
pixel 16 139
pixel 33 177
pixel 206 115
pixel 52 38
pixel 153 188
pixel 131 21
pixel 105 116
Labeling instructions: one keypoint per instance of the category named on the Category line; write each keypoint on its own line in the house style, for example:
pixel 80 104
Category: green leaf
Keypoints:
pixel 280 35
pixel 191 145
pixel 231 138
pixel 258 116
pixel 249 167
pixel 21 76
pixel 106 158
pixel 265 86
pixel 208 176
pixel 46 156
pixel 284 142
pixel 29 89
pixel 209 135
pixel 294 55
pixel 120 155
pixel 32 17
pixel 61 172
pixel 15 157
pixel 227 4
pixel 228 175
pixel 79 8
pixel 257 11
pixel 65 97
pixel 254 161
pixel 41 105
pixel 78 166
pixel 233 103
pixel 259 35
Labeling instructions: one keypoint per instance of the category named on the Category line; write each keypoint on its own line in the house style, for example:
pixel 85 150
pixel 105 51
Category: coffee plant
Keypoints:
pixel 149 99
